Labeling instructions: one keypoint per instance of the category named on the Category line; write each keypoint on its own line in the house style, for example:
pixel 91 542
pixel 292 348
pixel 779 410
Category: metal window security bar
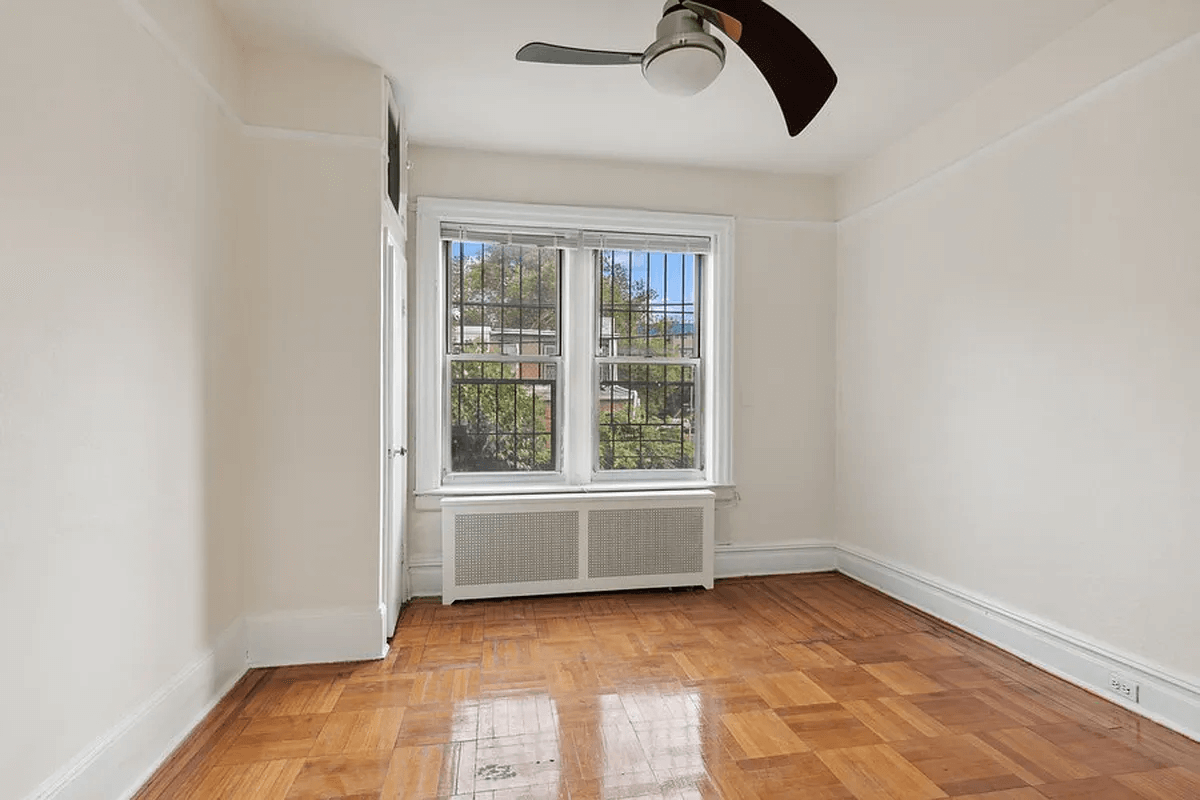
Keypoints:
pixel 648 358
pixel 503 352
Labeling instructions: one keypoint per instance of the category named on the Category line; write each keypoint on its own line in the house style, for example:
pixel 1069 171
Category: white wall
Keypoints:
pixel 119 555
pixel 1019 342
pixel 1107 44
pixel 783 326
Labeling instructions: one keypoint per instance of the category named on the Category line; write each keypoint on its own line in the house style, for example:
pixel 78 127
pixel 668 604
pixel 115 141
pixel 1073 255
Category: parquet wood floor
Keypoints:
pixel 806 686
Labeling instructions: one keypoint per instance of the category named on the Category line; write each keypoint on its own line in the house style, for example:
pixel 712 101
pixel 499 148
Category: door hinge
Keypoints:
pixel 397 451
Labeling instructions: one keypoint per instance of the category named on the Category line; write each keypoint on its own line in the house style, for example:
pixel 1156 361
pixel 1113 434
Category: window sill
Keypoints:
pixel 432 500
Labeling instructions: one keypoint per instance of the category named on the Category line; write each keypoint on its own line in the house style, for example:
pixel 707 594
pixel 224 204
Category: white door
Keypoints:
pixel 395 360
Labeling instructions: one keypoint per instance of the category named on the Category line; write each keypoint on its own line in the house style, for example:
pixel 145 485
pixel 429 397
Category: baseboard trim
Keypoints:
pixel 425 577
pixel 1165 698
pixel 316 637
pixel 120 761
pixel 735 561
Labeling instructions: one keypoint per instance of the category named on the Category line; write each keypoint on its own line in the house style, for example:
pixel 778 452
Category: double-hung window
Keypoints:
pixel 569 349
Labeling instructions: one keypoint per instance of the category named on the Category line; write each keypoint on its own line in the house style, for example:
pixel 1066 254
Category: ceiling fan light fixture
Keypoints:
pixel 684 68
pixel 685 58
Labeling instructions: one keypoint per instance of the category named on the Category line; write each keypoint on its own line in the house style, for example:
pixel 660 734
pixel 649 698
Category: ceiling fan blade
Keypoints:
pixel 797 72
pixel 542 53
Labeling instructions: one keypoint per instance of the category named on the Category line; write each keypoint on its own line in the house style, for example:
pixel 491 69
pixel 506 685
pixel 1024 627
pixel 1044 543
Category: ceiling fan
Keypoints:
pixel 686 58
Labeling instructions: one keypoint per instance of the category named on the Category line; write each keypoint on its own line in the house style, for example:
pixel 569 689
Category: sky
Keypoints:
pixel 649 266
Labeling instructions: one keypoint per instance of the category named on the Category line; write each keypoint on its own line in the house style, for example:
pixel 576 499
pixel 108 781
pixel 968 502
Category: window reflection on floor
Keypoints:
pixel 626 744
pixel 505 743
pixel 651 738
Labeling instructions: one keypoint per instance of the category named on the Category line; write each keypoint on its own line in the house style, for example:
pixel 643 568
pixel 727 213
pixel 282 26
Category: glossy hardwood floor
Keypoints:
pixel 808 687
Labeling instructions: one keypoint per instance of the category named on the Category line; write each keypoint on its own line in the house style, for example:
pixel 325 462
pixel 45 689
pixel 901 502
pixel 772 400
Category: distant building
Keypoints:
pixel 614 398
pixel 532 341
pixel 509 342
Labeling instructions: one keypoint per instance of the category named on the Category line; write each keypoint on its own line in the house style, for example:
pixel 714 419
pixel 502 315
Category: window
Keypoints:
pixel 564 348
pixel 503 351
pixel 394 165
pixel 649 360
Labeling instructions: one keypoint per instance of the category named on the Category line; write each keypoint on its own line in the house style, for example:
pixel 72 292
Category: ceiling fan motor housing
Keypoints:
pixel 685 58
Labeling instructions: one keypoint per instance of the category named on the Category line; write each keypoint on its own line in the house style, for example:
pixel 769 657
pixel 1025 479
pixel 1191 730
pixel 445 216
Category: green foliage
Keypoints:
pixel 504 286
pixel 654 429
pixel 500 422
pixel 630 439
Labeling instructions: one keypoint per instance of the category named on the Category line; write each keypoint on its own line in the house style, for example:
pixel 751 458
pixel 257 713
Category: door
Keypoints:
pixel 395 395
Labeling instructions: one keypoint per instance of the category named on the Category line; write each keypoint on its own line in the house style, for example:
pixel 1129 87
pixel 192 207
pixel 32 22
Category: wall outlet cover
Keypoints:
pixel 1123 686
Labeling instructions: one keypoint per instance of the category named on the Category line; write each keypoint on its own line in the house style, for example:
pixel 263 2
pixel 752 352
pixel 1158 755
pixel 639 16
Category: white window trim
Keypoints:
pixel 577 475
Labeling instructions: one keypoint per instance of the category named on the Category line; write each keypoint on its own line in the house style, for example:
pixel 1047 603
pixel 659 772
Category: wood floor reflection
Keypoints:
pixel 807 686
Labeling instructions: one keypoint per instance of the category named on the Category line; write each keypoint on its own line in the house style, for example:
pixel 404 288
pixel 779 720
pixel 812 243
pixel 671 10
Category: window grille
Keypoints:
pixel 503 354
pixel 648 358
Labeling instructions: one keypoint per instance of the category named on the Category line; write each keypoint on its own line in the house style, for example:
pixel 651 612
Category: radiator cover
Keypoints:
pixel 514 545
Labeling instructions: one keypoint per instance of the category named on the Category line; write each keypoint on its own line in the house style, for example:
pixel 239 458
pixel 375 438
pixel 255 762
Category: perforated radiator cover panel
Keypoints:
pixel 516 547
pixel 645 541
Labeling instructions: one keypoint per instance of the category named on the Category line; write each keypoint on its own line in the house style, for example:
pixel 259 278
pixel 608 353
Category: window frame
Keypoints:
pixel 578 374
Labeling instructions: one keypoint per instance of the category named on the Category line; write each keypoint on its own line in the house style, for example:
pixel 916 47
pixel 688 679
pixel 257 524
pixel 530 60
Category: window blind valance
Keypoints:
pixel 571 238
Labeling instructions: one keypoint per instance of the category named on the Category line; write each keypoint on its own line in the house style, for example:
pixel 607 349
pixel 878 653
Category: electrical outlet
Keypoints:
pixel 1123 686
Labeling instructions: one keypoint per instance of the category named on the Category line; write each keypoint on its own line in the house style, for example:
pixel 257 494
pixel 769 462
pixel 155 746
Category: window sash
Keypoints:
pixel 448 303
pixel 505 423
pixel 556 433
pixel 692 471
pixel 695 316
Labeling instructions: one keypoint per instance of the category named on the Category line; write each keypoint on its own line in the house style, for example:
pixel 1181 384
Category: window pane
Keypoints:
pixel 502 298
pixel 647 304
pixel 647 417
pixel 503 417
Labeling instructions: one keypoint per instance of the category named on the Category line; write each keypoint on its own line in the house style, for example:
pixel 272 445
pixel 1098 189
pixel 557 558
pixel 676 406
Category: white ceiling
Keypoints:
pixel 899 63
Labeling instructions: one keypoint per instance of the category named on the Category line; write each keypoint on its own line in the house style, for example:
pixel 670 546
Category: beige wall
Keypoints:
pixel 119 517
pixel 1019 341
pixel 322 95
pixel 189 374
pixel 311 242
pixel 783 326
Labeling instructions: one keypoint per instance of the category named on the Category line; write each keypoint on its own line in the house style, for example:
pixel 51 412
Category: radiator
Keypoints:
pixel 507 546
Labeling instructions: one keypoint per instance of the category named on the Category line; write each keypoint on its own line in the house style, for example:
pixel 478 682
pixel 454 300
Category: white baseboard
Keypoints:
pixel 119 762
pixel 738 560
pixel 316 637
pixel 1165 698
pixel 425 577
